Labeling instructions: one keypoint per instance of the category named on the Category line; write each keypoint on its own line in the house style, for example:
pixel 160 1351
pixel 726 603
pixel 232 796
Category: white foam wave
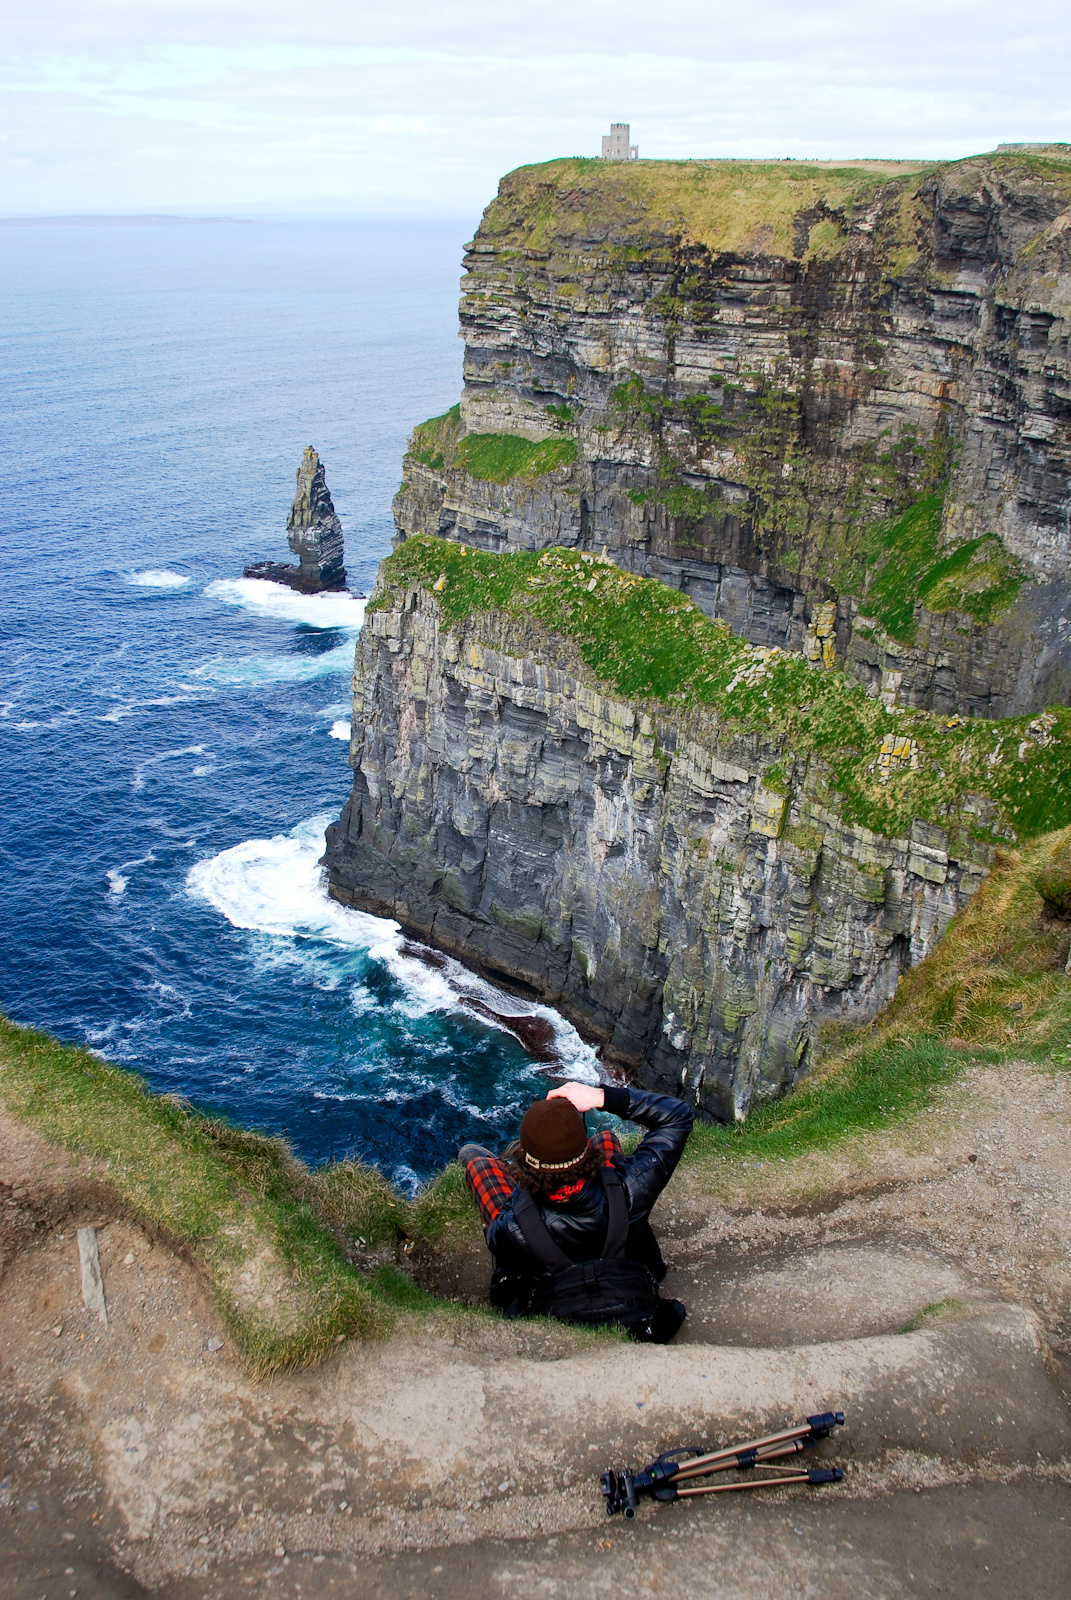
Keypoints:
pixel 142 769
pixel 27 725
pixel 276 887
pixel 119 877
pixel 338 609
pixel 250 672
pixel 157 578
pixel 340 729
pixel 117 713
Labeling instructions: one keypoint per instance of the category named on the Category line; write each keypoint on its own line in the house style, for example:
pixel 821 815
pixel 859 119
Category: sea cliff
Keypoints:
pixel 700 850
pixel 728 629
pixel 831 405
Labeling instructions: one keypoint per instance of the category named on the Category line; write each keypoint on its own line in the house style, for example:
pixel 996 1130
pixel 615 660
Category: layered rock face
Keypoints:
pixel 314 535
pixel 622 861
pixel 832 406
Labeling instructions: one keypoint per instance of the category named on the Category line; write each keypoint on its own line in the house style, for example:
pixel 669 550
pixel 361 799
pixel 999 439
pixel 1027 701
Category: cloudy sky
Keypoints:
pixel 344 107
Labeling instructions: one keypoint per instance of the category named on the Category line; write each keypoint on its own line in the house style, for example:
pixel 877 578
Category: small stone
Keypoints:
pixel 128 1259
pixel 280 1550
pixel 58 1329
pixel 214 1343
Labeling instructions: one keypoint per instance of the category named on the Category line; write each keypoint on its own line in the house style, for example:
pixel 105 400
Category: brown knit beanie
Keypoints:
pixel 553 1137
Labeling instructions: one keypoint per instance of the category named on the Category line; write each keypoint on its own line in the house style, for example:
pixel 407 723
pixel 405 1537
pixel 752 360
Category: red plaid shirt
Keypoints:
pixel 492 1181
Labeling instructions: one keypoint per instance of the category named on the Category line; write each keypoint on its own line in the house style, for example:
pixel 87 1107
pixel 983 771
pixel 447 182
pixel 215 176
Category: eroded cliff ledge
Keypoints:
pixel 698 849
pixel 831 405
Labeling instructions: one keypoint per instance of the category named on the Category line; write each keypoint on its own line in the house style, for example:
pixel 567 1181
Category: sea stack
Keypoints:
pixel 314 535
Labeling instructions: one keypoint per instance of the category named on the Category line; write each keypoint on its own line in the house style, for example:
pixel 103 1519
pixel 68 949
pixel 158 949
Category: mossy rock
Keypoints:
pixel 1054 884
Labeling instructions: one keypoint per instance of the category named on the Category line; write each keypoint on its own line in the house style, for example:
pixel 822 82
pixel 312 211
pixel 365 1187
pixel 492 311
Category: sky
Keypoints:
pixel 268 107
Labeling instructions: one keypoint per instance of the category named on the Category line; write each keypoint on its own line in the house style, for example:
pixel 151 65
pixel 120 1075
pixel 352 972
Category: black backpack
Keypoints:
pixel 611 1289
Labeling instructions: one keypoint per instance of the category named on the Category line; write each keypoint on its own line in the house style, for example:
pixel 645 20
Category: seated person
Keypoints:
pixel 566 1217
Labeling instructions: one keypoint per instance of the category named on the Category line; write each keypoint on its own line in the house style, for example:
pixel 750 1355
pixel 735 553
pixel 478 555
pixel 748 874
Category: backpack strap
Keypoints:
pixel 617 1219
pixel 537 1237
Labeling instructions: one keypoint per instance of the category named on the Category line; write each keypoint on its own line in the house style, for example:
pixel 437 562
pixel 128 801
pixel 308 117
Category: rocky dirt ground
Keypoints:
pixel 462 1454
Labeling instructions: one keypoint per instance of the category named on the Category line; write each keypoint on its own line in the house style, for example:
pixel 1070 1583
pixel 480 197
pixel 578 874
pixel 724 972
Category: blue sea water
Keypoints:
pixel 173 737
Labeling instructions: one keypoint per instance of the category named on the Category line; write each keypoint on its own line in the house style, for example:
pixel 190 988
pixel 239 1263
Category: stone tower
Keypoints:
pixel 616 147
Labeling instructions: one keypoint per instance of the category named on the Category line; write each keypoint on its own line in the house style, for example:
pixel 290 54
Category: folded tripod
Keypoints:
pixel 669 1477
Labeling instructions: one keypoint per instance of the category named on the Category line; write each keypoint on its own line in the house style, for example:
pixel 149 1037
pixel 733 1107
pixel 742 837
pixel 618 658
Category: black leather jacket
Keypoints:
pixel 578 1225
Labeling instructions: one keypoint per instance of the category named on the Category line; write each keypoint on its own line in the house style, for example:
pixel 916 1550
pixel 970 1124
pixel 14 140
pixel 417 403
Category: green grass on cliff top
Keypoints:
pixel 647 642
pixel 726 205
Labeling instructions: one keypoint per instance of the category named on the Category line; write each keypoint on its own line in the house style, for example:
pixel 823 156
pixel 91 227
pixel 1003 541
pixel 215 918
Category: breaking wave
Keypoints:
pixel 157 578
pixel 275 887
pixel 339 609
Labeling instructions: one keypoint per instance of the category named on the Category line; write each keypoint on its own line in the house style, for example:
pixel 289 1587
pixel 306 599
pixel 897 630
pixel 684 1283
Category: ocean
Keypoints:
pixel 173 737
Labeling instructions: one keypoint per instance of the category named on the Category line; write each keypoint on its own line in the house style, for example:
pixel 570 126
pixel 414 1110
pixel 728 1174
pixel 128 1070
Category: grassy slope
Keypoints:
pixel 237 1201
pixel 649 642
pixel 906 565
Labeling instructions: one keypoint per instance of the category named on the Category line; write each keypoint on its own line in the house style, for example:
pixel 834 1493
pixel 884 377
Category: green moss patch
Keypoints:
pixel 435 441
pixel 501 457
pixel 442 444
pixel 906 567
pixel 648 643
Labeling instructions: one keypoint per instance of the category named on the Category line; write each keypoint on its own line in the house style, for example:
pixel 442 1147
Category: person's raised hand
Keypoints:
pixel 584 1096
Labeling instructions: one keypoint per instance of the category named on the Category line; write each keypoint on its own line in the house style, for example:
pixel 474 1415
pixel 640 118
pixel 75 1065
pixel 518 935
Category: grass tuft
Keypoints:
pixel 936 1311
pixel 1054 883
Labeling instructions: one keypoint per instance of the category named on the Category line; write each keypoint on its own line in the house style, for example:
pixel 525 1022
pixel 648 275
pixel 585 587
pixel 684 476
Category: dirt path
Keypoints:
pixel 142 1457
